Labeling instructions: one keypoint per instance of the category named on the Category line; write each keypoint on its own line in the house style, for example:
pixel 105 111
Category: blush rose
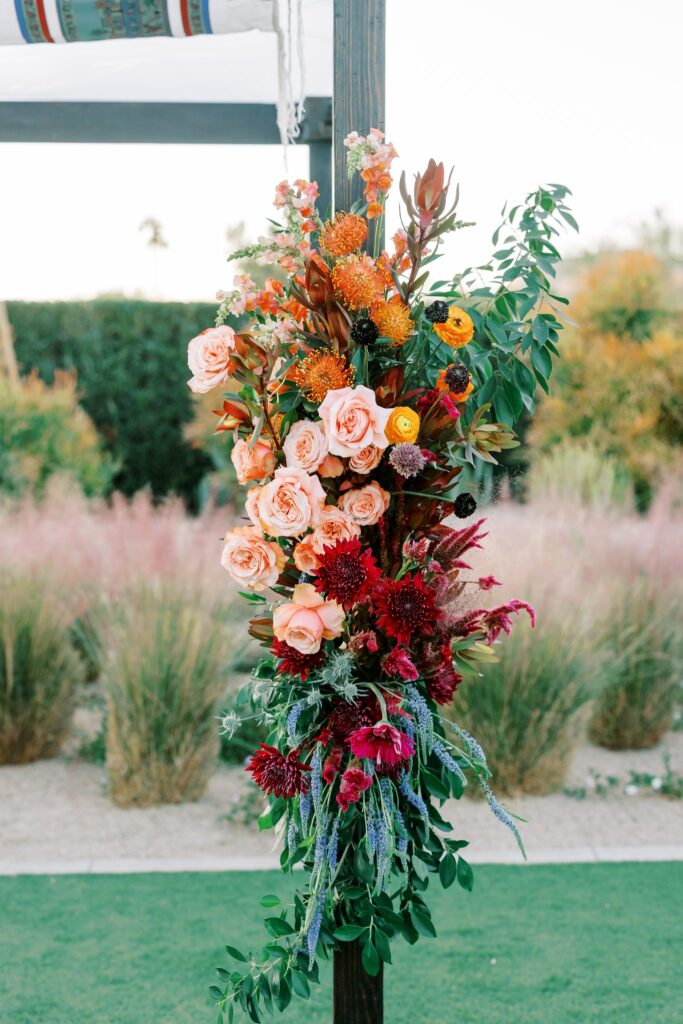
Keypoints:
pixel 251 559
pixel 209 358
pixel 307 620
pixel 353 420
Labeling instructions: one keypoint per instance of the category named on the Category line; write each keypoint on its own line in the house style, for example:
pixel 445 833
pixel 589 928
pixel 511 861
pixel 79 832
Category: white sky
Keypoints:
pixel 583 92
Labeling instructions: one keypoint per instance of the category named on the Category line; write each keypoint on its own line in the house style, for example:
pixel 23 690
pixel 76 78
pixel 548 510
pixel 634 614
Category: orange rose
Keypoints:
pixel 254 463
pixel 366 504
pixel 353 420
pixel 306 445
pixel 366 459
pixel 458 330
pixel 289 504
pixel 307 620
pixel 209 358
pixel 251 559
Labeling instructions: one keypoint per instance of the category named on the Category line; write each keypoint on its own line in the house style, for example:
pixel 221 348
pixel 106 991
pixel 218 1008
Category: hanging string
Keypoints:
pixel 291 69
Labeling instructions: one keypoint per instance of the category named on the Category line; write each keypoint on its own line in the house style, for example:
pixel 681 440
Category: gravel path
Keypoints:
pixel 55 816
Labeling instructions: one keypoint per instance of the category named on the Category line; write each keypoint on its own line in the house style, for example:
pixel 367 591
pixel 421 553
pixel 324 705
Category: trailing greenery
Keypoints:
pixel 39 670
pixel 128 356
pixel 641 675
pixel 164 679
pixel 43 433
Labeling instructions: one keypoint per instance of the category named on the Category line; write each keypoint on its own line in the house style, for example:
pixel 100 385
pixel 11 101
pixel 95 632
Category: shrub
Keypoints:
pixel 129 357
pixel 44 432
pixel 576 473
pixel 620 381
pixel 641 676
pixel 165 678
pixel 39 670
pixel 527 710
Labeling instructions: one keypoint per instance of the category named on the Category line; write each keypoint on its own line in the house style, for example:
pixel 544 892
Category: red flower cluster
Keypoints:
pixel 346 573
pixel 276 773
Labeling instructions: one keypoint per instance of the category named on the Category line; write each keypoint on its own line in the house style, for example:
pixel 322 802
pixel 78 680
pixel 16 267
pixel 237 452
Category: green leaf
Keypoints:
pixel 370 959
pixel 435 786
pixel 447 870
pixel 423 923
pixel 277 926
pixel 363 865
pixel 300 985
pixel 540 329
pixel 270 901
pixel 236 954
pixel 541 361
pixel 215 992
pixel 383 946
pixel 348 932
pixel 465 874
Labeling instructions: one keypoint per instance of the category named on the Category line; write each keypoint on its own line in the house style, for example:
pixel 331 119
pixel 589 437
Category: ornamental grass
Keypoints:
pixel 165 678
pixel 529 709
pixel 39 669
pixel 641 677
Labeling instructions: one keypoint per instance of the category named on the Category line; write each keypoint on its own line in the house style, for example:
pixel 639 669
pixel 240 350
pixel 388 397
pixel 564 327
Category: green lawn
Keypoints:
pixel 578 944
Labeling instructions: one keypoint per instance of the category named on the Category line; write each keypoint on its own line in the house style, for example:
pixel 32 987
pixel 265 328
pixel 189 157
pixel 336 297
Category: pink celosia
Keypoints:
pixel 354 782
pixel 399 663
pixel 488 582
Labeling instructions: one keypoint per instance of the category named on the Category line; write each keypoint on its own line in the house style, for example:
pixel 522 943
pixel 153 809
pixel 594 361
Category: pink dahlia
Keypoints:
pixel 382 743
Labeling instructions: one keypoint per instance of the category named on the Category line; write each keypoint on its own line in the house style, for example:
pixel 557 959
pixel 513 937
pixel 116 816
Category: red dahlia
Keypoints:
pixel 293 662
pixel 444 682
pixel 346 573
pixel 276 773
pixel 345 717
pixel 405 607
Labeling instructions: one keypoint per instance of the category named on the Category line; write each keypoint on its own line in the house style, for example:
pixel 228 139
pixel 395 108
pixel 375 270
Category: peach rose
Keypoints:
pixel 307 620
pixel 289 504
pixel 331 466
pixel 306 445
pixel 251 506
pixel 353 420
pixel 366 504
pixel 250 559
pixel 334 525
pixel 366 459
pixel 254 463
pixel 208 356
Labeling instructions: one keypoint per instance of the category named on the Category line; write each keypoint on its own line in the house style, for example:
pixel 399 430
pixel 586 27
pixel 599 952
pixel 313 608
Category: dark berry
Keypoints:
pixel 364 331
pixel 464 506
pixel 437 313
pixel 457 377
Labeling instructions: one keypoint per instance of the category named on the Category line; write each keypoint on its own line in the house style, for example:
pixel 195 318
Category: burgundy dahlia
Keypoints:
pixel 293 662
pixel 345 717
pixel 405 608
pixel 444 681
pixel 346 573
pixel 277 773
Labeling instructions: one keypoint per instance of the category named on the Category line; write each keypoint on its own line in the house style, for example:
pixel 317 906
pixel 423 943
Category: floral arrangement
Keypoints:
pixel 356 399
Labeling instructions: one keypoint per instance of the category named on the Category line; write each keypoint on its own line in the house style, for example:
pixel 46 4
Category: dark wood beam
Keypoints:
pixel 359 83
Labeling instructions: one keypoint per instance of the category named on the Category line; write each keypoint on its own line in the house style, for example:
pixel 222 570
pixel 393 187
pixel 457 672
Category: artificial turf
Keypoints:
pixel 570 944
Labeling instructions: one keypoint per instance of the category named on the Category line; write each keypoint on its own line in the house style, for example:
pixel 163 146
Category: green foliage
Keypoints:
pixel 641 674
pixel 130 361
pixel 516 313
pixel 44 432
pixel 164 679
pixel 527 708
pixel 39 670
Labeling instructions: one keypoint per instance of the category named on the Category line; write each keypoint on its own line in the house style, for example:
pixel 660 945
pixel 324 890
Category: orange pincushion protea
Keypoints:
pixel 358 281
pixel 393 320
pixel 345 233
pixel 322 371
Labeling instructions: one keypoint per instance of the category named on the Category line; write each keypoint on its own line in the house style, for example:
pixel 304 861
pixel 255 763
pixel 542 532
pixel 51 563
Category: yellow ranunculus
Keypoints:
pixel 403 426
pixel 458 330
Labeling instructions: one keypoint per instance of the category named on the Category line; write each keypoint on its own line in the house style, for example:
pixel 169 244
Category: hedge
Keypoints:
pixel 129 357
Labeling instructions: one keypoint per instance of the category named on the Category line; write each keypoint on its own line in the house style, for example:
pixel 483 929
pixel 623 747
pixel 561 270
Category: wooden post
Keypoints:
pixel 358 94
pixel 358 998
pixel 357 105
